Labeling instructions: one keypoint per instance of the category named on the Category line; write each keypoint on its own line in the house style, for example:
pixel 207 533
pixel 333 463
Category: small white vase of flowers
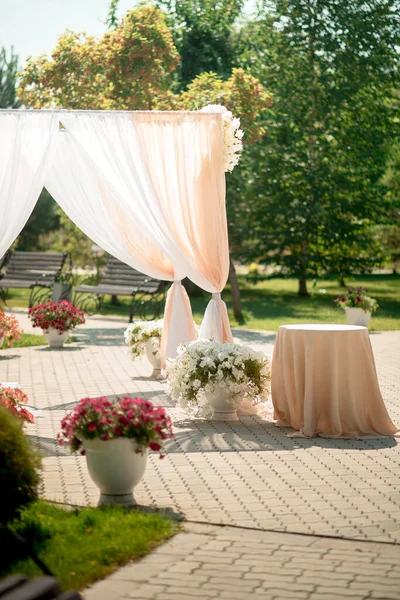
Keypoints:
pixel 210 379
pixel 144 337
pixel 357 305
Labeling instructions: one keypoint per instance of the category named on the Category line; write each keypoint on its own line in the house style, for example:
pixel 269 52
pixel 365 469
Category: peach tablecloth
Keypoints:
pixel 324 382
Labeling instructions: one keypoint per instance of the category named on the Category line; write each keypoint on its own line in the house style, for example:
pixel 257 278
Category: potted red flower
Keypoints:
pixel 116 438
pixel 56 319
pixel 13 399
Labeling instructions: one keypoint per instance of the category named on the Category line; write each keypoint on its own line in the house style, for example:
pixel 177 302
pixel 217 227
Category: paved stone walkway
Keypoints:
pixel 210 563
pixel 247 476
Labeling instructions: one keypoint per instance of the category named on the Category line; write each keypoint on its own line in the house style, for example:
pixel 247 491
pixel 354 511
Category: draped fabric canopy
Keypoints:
pixel 148 187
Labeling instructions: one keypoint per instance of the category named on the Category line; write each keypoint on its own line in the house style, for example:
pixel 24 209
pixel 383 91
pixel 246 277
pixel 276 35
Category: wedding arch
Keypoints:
pixel 148 187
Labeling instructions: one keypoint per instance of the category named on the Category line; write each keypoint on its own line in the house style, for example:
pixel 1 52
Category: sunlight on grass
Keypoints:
pixel 274 302
pixel 31 339
pixel 82 546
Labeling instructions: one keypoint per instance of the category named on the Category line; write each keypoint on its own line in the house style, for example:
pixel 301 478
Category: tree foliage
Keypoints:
pixel 127 68
pixel 315 175
pixel 202 31
pixel 8 75
pixel 241 93
pixel 44 219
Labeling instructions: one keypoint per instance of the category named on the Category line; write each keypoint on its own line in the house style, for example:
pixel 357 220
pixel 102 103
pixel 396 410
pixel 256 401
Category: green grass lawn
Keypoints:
pixel 274 302
pixel 83 546
pixel 31 339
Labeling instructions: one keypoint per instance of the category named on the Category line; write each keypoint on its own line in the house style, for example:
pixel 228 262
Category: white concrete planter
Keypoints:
pixel 223 405
pixel 115 468
pixel 154 359
pixel 357 316
pixel 55 338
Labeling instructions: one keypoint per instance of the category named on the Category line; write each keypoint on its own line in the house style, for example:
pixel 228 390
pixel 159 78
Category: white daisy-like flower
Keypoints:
pixel 233 135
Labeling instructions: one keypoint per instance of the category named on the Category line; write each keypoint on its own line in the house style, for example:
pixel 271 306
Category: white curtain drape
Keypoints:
pixel 147 187
pixel 25 152
pixel 155 185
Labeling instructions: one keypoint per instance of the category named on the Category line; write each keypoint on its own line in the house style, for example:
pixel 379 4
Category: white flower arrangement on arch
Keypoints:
pixel 139 333
pixel 233 135
pixel 203 365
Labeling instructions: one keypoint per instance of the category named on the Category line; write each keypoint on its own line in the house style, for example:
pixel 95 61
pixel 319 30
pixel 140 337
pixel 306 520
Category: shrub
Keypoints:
pixel 19 478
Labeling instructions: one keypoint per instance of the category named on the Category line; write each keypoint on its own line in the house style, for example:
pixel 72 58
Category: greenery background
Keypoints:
pixel 316 194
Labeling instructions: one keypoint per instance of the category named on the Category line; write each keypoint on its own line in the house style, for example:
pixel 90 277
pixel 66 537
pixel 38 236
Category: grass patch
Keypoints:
pixel 83 546
pixel 274 302
pixel 31 339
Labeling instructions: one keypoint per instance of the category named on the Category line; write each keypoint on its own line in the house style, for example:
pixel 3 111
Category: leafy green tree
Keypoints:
pixel 69 238
pixel 43 219
pixel 8 76
pixel 202 31
pixel 315 177
pixel 389 235
pixel 125 69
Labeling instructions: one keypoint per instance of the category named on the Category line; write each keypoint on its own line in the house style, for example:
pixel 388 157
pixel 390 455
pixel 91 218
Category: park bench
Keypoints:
pixel 37 271
pixel 19 587
pixel 119 279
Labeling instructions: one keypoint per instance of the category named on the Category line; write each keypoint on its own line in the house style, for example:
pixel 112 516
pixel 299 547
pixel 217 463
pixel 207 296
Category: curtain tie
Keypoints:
pixel 177 281
pixel 216 296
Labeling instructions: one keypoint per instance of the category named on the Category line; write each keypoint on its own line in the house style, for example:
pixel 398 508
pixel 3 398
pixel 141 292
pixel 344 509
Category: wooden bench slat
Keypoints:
pixel 120 279
pixel 10 583
pixel 42 588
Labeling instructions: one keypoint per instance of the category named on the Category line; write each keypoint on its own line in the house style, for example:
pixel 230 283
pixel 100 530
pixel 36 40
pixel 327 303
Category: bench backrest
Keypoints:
pixel 118 273
pixel 34 266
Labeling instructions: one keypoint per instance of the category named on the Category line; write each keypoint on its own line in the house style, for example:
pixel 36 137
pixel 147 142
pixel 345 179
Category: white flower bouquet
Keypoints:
pixel 202 366
pixel 233 135
pixel 139 333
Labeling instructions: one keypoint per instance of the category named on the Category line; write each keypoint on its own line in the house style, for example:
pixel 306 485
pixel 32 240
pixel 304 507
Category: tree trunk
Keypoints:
pixel 303 285
pixel 114 301
pixel 236 302
pixel 303 259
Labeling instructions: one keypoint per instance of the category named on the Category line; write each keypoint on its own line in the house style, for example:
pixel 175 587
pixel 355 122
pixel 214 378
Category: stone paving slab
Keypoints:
pixel 246 474
pixel 225 562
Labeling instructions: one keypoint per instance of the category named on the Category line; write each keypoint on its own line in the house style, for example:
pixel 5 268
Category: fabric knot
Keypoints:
pixel 178 281
pixel 216 296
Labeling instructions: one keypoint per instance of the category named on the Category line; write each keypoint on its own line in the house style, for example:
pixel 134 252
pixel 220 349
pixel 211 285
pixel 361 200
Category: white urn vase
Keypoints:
pixel 154 359
pixel 115 468
pixel 55 338
pixel 224 405
pixel 357 316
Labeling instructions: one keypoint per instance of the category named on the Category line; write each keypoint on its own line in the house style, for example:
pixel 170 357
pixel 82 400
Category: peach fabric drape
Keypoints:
pixel 189 182
pixel 324 382
pixel 152 185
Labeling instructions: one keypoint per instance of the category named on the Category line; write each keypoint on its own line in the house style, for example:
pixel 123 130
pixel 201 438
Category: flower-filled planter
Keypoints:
pixel 10 331
pixel 143 337
pixel 56 320
pixel 14 400
pixel 211 379
pixel 357 306
pixel 116 438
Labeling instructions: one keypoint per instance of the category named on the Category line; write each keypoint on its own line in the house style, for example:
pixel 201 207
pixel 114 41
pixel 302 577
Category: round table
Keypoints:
pixel 324 382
